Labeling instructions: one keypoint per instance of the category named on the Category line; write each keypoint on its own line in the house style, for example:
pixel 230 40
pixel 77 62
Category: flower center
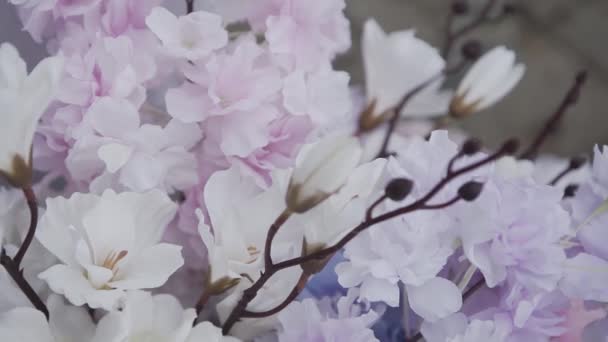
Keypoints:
pixel 113 259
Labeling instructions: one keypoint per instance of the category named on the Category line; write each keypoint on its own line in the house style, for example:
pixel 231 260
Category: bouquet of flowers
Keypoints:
pixel 201 172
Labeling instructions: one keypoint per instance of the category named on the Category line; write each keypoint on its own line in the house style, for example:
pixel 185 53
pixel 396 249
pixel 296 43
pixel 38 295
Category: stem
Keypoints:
pixel 569 100
pixel 189 6
pixel 370 210
pixel 30 198
pixel 17 275
pixel 453 36
pixel 202 301
pixel 290 298
pixel 468 293
pixel 442 205
pixel 269 270
pixel 398 109
pixel 272 232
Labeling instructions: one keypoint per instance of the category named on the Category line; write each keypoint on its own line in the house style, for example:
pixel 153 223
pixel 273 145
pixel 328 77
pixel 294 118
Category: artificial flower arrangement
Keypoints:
pixel 209 176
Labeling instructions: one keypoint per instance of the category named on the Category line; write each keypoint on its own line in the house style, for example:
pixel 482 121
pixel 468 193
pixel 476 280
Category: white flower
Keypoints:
pixel 108 244
pixel 240 214
pixel 67 324
pixel 397 63
pixel 23 100
pixel 145 317
pixel 489 80
pixel 322 170
pixel 329 221
pixel 435 299
pixel 193 36
pixel 324 95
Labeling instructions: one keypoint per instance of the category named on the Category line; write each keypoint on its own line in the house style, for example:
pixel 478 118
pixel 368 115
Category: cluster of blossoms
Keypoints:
pixel 209 176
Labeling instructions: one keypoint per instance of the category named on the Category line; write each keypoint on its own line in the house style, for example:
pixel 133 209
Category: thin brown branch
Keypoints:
pixel 17 275
pixel 30 198
pixel 552 122
pixel 189 6
pixel 295 292
pixel 392 125
pixel 421 204
pixel 453 36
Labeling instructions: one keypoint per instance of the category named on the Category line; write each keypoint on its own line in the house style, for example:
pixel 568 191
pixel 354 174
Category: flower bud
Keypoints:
pixel 470 191
pixel 577 162
pixel 471 50
pixel 490 79
pixel 470 147
pixel 510 147
pixel 570 190
pixel 398 189
pixel 460 7
pixel 323 171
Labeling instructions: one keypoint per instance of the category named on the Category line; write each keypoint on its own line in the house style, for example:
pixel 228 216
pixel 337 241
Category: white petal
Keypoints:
pixel 436 299
pixel 151 268
pixel 25 325
pixel 163 24
pixel 75 287
pixel 115 156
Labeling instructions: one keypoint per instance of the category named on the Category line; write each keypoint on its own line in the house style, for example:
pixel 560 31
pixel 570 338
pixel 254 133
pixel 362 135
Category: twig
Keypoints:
pixel 272 232
pixel 295 292
pixel 189 6
pixel 421 204
pixel 569 100
pixel 398 109
pixel 17 275
pixel 453 36
pixel 30 198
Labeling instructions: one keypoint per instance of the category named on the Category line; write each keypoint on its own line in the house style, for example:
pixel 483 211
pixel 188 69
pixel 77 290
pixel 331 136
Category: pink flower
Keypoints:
pixel 193 36
pixel 120 152
pixel 307 33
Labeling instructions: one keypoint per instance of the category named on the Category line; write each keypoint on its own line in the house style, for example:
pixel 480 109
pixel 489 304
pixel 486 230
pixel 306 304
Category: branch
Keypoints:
pixel 569 100
pixel 189 6
pixel 30 198
pixel 420 204
pixel 453 36
pixel 272 232
pixel 17 275
pixel 398 109
pixel 290 298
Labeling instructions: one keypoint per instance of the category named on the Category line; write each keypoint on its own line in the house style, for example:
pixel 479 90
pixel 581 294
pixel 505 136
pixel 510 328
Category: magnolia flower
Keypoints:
pixel 240 215
pixel 66 323
pixel 193 36
pixel 322 170
pixel 397 63
pixel 23 99
pixel 107 244
pixel 145 317
pixel 488 81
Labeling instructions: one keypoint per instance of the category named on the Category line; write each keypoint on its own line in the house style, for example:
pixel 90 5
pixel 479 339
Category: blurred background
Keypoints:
pixel 554 38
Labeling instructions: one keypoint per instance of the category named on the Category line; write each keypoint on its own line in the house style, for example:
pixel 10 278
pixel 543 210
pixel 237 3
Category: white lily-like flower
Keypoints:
pixel 108 244
pixel 321 170
pixel 397 63
pixel 193 36
pixel 241 214
pixel 490 79
pixel 66 323
pixel 145 317
pixel 23 99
